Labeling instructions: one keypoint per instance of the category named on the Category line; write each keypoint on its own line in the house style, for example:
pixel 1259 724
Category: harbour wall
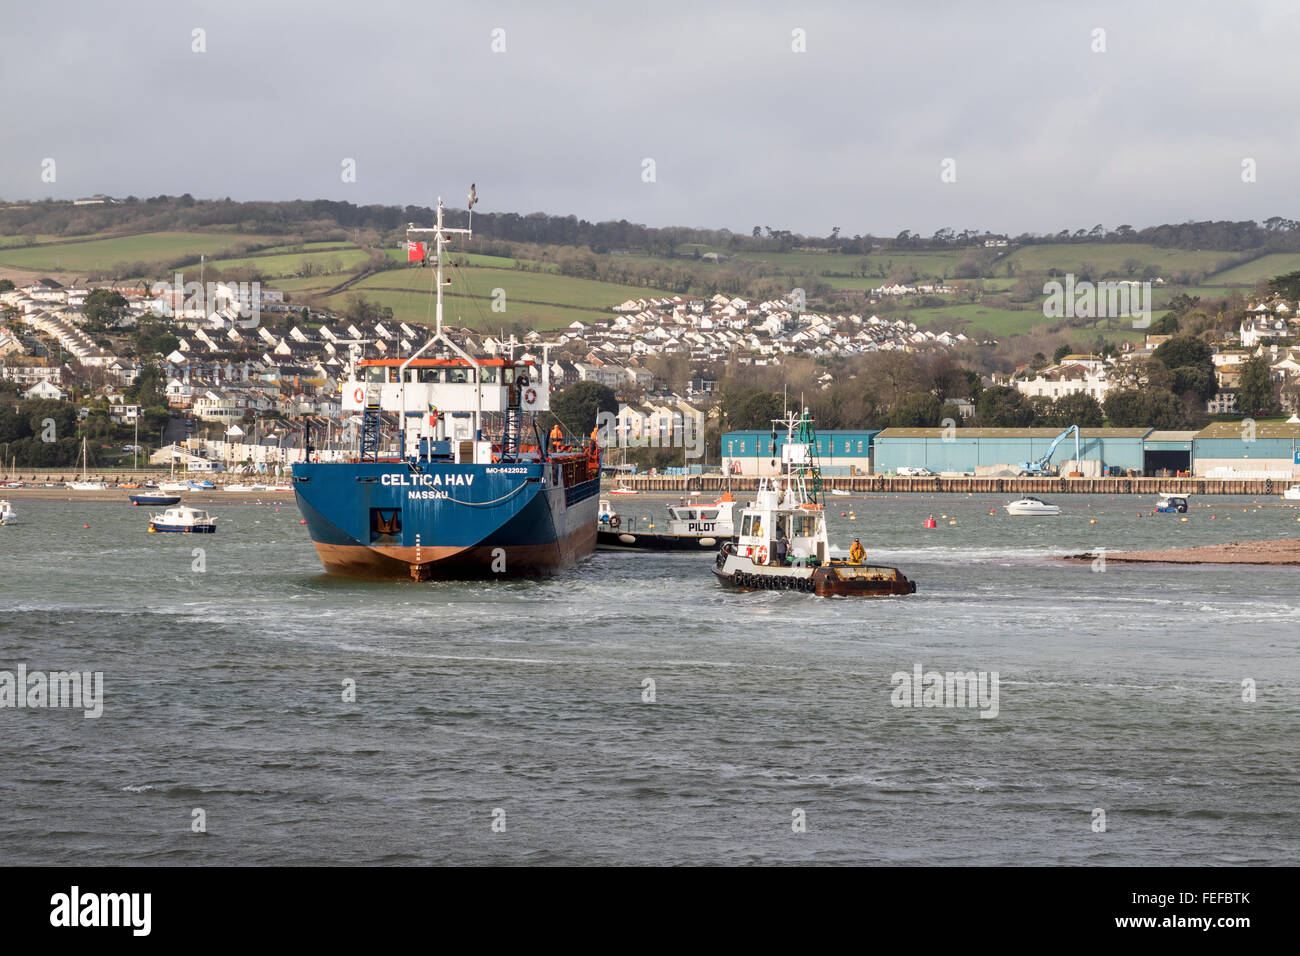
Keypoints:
pixel 942 484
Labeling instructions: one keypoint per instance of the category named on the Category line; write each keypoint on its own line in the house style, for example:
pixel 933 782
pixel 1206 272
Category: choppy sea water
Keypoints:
pixel 521 703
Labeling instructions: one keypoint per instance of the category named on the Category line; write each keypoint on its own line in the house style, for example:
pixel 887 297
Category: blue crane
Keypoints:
pixel 1034 469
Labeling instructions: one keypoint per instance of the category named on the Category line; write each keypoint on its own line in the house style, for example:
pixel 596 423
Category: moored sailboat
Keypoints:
pixel 84 483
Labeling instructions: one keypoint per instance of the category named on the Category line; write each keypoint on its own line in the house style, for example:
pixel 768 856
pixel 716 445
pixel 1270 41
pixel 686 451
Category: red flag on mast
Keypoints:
pixel 415 252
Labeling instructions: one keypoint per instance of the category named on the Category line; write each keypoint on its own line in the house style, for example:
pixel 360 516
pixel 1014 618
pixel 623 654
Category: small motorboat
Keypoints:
pixel 185 520
pixel 1031 507
pixel 1172 504
pixel 1292 493
pixel 7 513
pixel 238 488
pixel 840 492
pixel 158 501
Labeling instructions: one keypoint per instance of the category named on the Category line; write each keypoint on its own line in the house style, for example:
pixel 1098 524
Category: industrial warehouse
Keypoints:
pixel 1226 450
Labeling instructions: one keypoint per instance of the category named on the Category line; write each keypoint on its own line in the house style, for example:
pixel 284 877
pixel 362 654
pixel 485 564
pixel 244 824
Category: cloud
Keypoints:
pixel 1045 132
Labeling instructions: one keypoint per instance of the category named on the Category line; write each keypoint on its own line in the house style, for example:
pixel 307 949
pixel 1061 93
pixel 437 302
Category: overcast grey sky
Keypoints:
pixel 743 130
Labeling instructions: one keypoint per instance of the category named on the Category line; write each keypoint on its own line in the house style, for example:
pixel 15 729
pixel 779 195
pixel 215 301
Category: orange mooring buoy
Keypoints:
pixel 931 523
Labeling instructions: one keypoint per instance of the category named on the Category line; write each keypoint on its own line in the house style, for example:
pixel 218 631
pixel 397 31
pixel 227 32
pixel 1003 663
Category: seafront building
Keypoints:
pixel 1221 450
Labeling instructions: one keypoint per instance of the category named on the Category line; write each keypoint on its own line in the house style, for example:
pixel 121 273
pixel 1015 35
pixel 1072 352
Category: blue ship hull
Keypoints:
pixel 440 520
pixel 161 500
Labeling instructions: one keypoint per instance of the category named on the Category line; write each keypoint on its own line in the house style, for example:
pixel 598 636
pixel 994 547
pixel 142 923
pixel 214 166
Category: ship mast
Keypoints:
pixel 440 234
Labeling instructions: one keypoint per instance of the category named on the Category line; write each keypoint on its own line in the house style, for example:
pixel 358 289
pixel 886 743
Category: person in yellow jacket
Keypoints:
pixel 857 553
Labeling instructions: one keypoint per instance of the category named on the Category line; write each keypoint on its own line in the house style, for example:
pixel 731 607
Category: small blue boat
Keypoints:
pixel 161 501
pixel 1172 504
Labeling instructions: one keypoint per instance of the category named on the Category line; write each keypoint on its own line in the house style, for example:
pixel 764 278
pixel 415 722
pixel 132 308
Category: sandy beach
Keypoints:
pixel 1279 552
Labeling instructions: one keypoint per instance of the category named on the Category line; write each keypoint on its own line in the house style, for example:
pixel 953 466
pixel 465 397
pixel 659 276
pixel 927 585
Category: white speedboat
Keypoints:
pixel 185 520
pixel 1292 493
pixel 7 513
pixel 1031 507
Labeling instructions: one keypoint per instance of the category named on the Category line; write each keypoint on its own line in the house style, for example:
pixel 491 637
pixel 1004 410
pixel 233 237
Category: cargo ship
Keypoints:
pixel 452 478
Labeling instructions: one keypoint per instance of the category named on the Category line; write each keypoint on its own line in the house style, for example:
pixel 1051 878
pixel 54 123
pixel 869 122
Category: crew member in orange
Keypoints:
pixel 557 437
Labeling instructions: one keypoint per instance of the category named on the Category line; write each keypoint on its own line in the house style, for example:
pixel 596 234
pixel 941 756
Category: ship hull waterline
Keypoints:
pixel 444 522
pixel 739 573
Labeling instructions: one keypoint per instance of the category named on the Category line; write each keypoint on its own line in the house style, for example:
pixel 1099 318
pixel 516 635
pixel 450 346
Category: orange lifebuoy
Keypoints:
pixel 615 521
pixel 530 396
pixel 359 394
pixel 762 554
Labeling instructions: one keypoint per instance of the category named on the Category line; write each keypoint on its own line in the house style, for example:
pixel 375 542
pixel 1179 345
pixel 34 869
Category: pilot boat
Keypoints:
pixel 185 520
pixel 690 527
pixel 789 506
pixel 1031 507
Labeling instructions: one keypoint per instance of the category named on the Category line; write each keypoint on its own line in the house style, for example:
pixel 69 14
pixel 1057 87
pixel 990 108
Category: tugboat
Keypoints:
pixel 789 510
pixel 452 478
pixel 691 527
pixel 184 520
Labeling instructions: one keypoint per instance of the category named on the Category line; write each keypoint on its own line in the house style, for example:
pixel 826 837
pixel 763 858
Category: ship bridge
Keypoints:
pixel 448 384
